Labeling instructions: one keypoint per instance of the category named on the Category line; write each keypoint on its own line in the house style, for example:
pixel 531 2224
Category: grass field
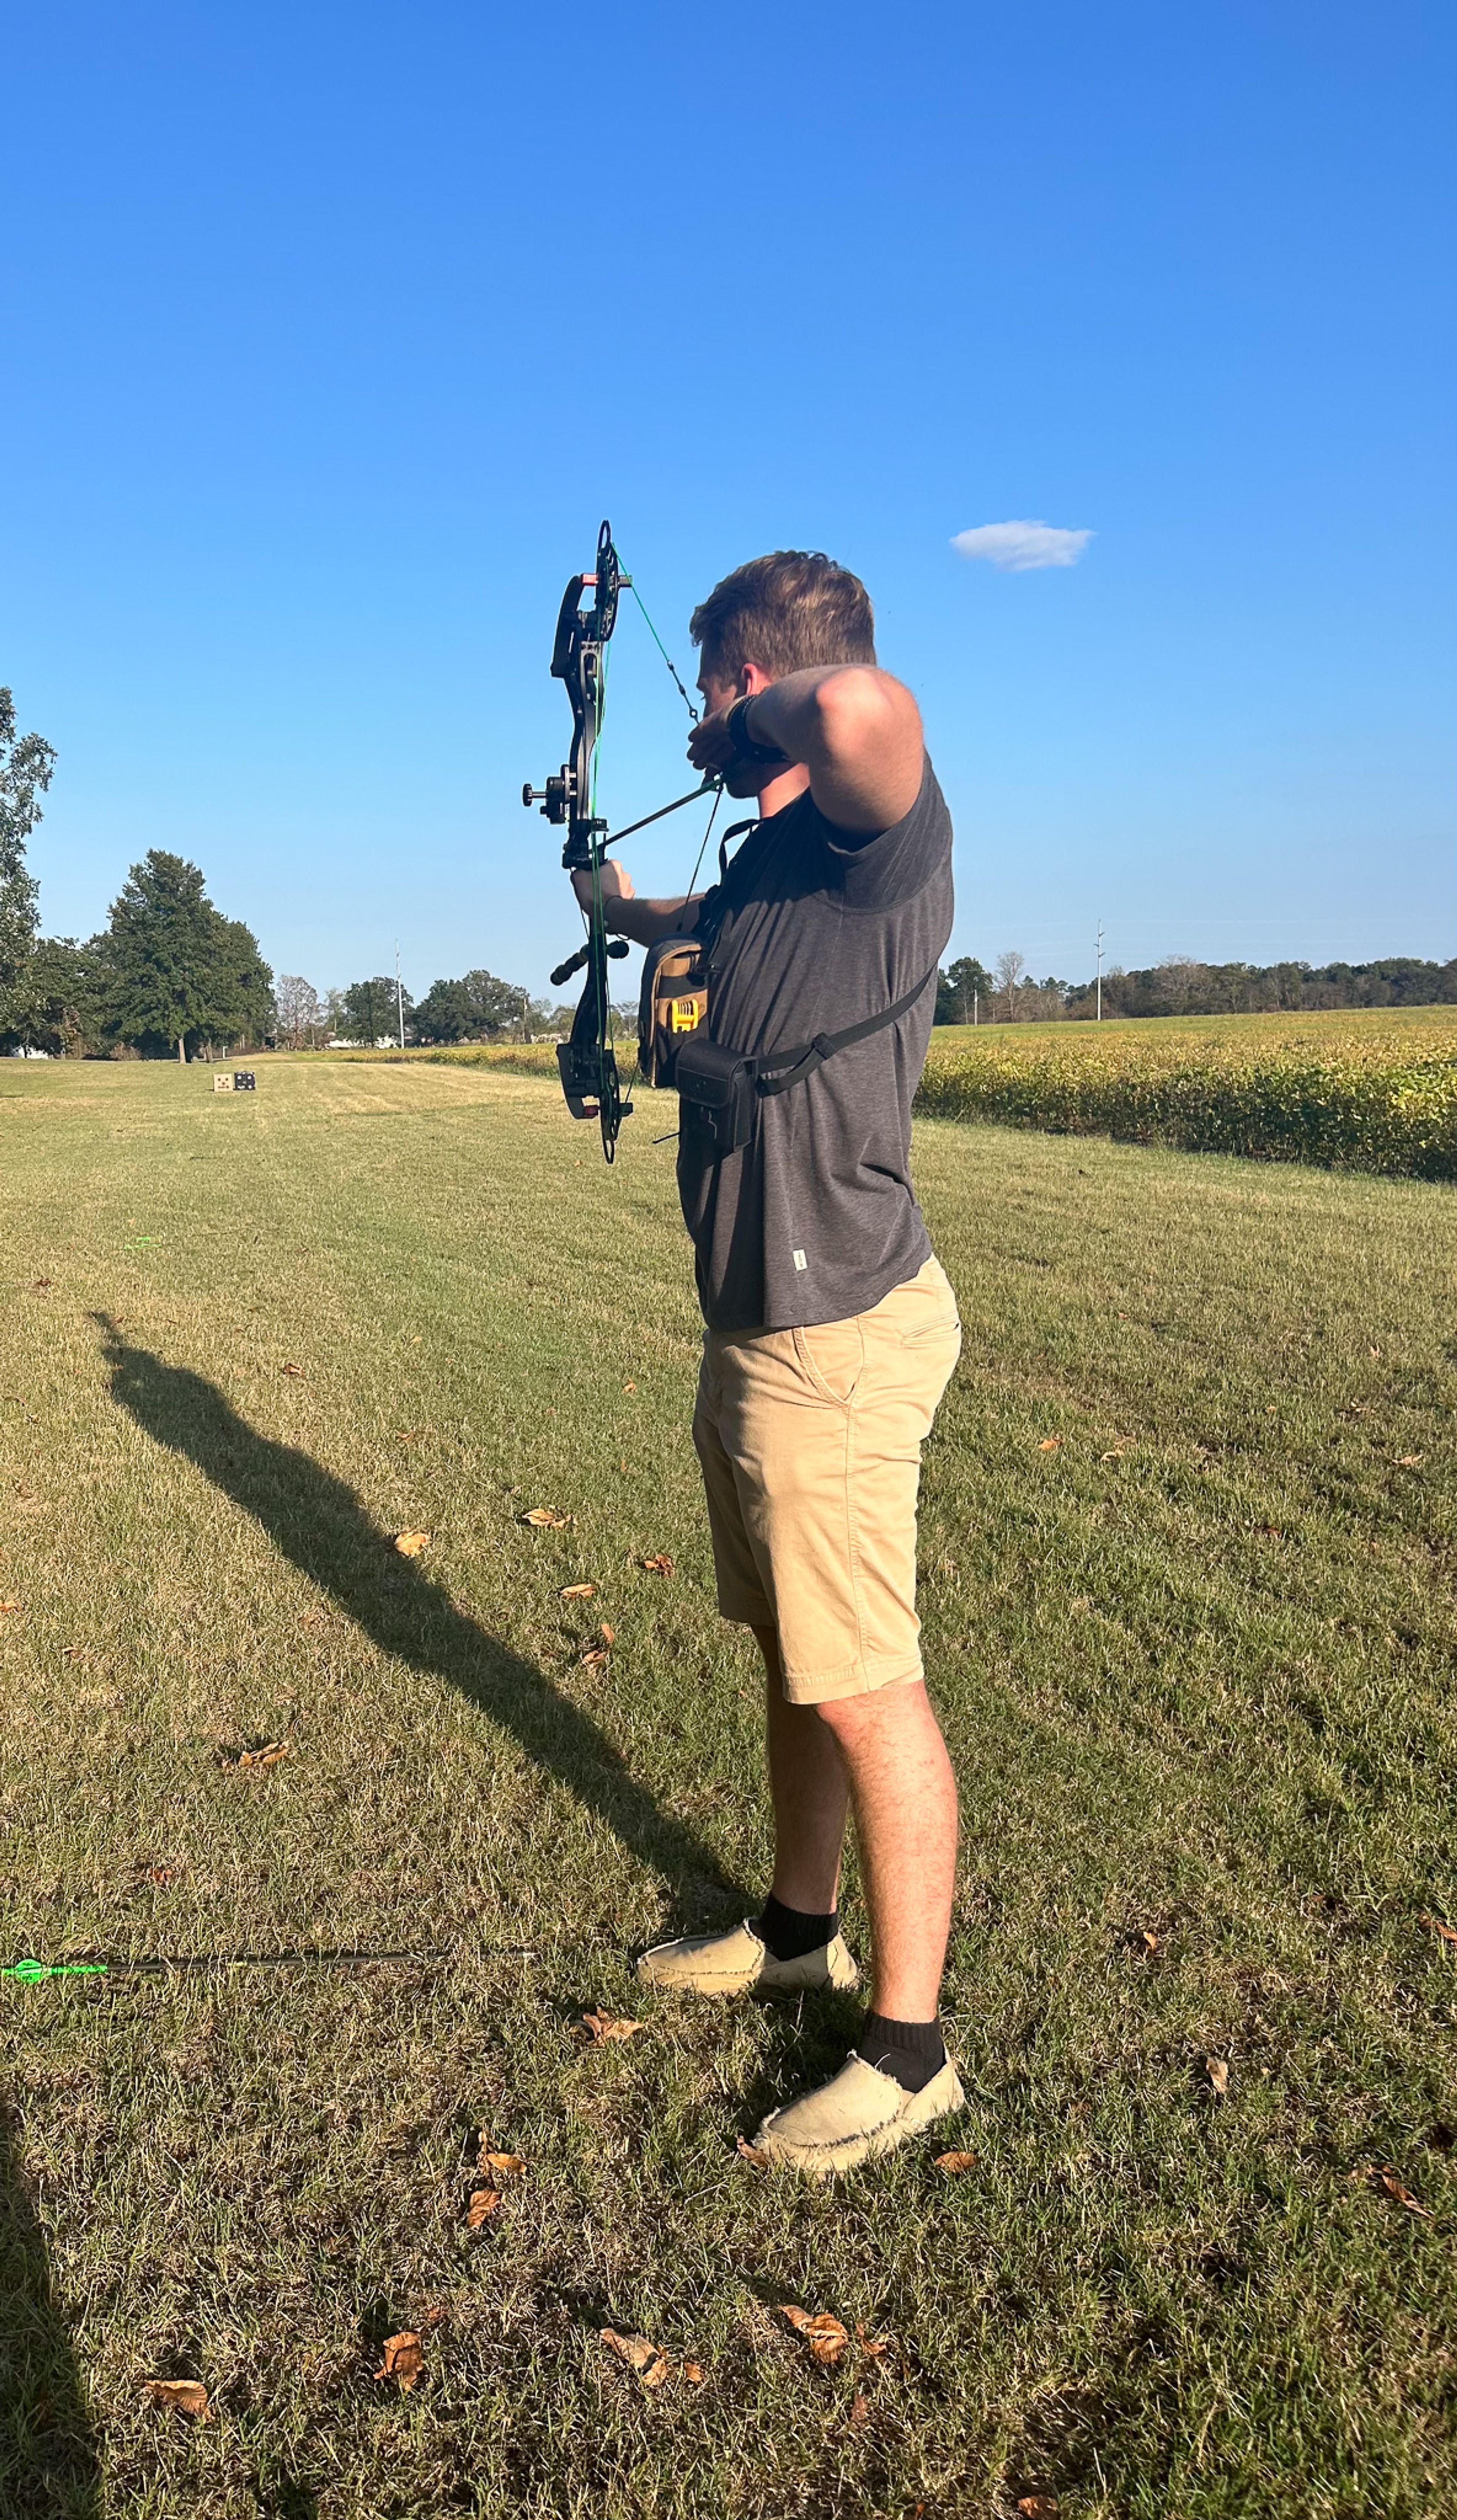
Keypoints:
pixel 1188 1549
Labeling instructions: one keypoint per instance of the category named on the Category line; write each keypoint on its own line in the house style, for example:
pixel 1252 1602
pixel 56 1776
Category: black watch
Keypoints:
pixel 743 742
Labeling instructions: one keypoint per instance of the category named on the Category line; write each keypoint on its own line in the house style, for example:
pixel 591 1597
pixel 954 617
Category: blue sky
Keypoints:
pixel 333 333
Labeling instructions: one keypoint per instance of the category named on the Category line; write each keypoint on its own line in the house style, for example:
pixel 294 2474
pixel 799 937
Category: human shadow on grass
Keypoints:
pixel 325 1530
pixel 49 2465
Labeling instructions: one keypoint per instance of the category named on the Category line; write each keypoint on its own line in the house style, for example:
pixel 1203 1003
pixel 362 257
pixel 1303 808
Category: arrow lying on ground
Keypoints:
pixel 28 1970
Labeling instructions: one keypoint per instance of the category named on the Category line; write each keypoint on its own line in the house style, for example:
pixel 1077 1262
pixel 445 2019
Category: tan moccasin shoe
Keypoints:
pixel 731 1963
pixel 861 2112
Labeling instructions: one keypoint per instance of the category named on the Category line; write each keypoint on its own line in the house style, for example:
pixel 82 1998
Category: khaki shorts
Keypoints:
pixel 810 1442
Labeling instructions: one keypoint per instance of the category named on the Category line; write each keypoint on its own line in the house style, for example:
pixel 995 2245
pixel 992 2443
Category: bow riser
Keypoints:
pixel 588 1067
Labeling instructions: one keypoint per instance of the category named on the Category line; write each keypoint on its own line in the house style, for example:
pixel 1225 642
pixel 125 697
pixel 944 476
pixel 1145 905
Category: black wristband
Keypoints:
pixel 743 742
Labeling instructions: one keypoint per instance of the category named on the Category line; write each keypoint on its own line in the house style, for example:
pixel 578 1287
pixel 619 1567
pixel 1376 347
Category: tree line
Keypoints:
pixel 968 993
pixel 476 1007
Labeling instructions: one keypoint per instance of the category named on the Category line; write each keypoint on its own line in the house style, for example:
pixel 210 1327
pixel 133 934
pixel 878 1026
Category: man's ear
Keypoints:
pixel 752 679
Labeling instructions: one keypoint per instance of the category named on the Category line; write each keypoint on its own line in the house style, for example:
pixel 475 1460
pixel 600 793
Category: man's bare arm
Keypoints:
pixel 856 730
pixel 642 922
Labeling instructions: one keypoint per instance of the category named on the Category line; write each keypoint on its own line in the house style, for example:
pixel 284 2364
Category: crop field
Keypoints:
pixel 1374 1091
pixel 1188 1544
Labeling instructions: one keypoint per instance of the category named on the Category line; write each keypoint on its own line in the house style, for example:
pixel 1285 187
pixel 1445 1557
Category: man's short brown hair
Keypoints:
pixel 790 610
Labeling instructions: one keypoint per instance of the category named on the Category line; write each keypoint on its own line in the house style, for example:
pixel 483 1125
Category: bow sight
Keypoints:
pixel 589 1068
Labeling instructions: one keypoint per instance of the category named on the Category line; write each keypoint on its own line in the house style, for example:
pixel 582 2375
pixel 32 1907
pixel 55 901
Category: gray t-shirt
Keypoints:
pixel 815 1219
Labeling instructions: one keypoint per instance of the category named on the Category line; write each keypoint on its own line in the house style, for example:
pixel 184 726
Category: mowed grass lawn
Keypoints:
pixel 1188 1557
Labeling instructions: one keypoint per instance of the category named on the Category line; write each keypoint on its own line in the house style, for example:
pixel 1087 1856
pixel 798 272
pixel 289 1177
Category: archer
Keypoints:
pixel 831 1330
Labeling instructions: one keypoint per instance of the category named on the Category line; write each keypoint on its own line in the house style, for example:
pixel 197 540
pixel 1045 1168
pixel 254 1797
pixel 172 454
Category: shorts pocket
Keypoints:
pixel 946 1325
pixel 833 1356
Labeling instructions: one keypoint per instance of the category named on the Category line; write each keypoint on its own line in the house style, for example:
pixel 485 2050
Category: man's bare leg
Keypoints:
pixel 904 1798
pixel 810 1792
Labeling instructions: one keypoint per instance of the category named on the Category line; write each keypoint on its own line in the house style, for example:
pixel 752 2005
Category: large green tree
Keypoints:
pixel 964 992
pixel 177 973
pixel 60 1002
pixel 472 1008
pixel 369 1010
pixel 27 762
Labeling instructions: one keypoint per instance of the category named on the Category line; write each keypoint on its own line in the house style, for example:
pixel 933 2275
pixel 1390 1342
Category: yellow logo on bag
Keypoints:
pixel 683 1014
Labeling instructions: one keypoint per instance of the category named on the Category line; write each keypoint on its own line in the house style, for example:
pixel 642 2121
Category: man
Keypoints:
pixel 831 1330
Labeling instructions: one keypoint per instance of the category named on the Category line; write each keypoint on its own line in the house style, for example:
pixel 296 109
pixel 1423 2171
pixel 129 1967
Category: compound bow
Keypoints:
pixel 589 1068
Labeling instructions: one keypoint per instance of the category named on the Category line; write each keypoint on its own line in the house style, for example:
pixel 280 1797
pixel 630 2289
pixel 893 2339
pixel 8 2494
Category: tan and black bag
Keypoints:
pixel 674 1003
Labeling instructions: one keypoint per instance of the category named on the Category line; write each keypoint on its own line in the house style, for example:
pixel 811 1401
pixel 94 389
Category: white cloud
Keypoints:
pixel 1025 542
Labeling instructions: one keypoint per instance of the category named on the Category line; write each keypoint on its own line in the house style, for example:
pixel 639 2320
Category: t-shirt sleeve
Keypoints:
pixel 877 868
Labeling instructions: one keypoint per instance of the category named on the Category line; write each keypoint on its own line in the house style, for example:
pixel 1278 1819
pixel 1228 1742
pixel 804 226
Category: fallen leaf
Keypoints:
pixel 954 2163
pixel 1410 1461
pixel 1038 2506
pixel 482 2202
pixel 40 1284
pixel 607 1634
pixel 296 1371
pixel 509 2164
pixel 859 2409
pixel 1149 1940
pixel 1049 1443
pixel 403 2359
pixel 695 2373
pixel 543 1518
pixel 750 2152
pixel 870 2346
pixel 1447 1932
pixel 9 1606
pixel 825 2335
pixel 627 1387
pixel 268 1757
pixel 411 1544
pixel 662 1564
pixel 576 1592
pixel 1388 2179
pixel 72 1653
pixel 596 1658
pixel 187 2397
pixel 1218 2073
pixel 602 2026
pixel 643 2355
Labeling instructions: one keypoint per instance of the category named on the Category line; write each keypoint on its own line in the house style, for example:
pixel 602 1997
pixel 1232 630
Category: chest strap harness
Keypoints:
pixel 720 1089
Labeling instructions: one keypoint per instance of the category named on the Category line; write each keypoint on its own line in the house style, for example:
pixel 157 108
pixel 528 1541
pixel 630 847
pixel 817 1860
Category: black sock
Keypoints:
pixel 909 2051
pixel 789 1933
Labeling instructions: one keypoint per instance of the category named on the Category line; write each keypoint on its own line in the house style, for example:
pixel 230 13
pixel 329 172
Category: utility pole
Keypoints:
pixel 975 1005
pixel 399 996
pixel 1099 942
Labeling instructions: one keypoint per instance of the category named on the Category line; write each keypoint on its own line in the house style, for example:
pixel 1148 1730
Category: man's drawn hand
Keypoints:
pixel 710 746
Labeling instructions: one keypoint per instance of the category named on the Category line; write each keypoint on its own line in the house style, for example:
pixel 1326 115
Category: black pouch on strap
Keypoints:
pixel 721 1089
pixel 717 1094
